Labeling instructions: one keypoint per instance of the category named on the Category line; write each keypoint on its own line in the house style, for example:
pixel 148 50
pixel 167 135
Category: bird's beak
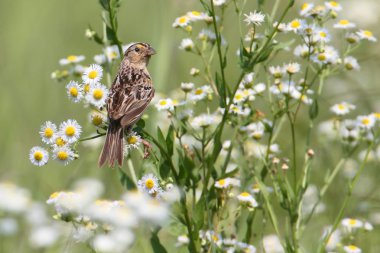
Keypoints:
pixel 151 51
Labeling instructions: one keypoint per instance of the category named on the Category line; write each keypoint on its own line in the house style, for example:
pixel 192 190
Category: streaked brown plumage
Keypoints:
pixel 130 94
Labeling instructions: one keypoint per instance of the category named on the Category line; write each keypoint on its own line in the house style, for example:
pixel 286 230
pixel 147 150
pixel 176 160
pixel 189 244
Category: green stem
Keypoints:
pixel 92 137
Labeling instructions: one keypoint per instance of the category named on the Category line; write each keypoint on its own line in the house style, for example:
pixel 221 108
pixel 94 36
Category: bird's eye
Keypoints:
pixel 137 49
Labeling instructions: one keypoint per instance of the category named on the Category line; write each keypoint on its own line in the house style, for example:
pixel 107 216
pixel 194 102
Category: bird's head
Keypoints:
pixel 139 53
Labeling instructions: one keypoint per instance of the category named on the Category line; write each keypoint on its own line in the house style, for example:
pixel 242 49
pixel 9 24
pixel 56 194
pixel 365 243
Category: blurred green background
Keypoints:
pixel 34 35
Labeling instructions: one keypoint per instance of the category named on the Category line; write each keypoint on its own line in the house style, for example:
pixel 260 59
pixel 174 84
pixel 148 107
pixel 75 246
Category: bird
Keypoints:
pixel 130 94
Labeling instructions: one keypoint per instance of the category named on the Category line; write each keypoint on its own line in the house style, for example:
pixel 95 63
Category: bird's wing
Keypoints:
pixel 128 102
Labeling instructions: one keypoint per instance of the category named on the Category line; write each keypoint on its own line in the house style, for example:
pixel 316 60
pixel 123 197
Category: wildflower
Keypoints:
pixel 187 87
pixel 200 93
pixel 132 141
pixel 8 226
pixel 276 72
pixel 219 2
pixel 112 53
pixel 296 25
pixel 165 104
pixel 149 184
pixel 71 59
pixel 63 154
pixel 302 51
pixel 272 244
pixel 38 156
pixel 292 68
pixel 368 226
pixel 344 24
pixel 70 131
pixel 254 18
pixel 351 63
pixel 207 35
pixel 100 59
pixel 182 21
pixel 14 199
pixel 48 132
pixel 97 95
pixel 74 91
pixel 182 240
pixel 321 34
pixel 117 241
pixel 187 44
pixel 97 118
pixel 92 74
pixel 247 198
pixel 44 236
pixel 247 80
pixel 226 183
pixel 327 55
pixel 366 122
pixel 280 27
pixel 204 121
pixel 352 249
pixel 256 130
pixel 366 35
pixel 194 71
pixel 196 15
pixel 334 6
pixel 351 224
pixel 259 88
pixel 342 108
pixel 59 141
pixel 305 9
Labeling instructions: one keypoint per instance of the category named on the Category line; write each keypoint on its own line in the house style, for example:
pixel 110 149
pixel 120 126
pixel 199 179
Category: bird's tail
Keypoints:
pixel 113 147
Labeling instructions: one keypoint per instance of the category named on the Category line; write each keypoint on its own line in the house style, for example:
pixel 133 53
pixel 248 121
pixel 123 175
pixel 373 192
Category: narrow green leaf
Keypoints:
pixel 156 244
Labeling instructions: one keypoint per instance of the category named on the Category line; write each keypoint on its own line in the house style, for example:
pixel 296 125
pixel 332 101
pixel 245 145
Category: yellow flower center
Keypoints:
pixel 54 195
pixel 48 132
pixel 344 22
pixel 112 55
pixel 322 57
pixel 86 87
pixel 38 155
pixel 244 194
pixel 238 96
pixel 295 24
pixel 132 140
pixel 196 13
pixel 93 74
pixel 97 94
pixel 149 183
pixel 70 130
pixel 377 115
pixel 163 102
pixel 255 187
pixel 198 91
pixel 73 91
pixel 60 142
pixel 367 33
pixel 334 4
pixel 341 107
pixel 304 6
pixel 72 58
pixel 62 155
pixel 352 247
pixel 365 121
pixel 352 222
pixel 215 238
pixel 222 182
pixel 97 120
pixel 323 34
pixel 182 20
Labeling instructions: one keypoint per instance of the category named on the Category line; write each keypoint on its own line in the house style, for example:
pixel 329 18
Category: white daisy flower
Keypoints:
pixel 344 24
pixel 302 51
pixel 207 35
pixel 100 59
pixel 204 121
pixel 259 88
pixel 149 184
pixel 63 154
pixel 70 130
pixel 112 53
pixel 239 110
pixel 366 35
pixel 321 34
pixel 74 91
pixel 350 223
pixel 182 240
pixel 219 2
pixel 196 15
pixel 254 18
pixel 165 104
pixel 223 183
pixel 296 25
pixel 187 44
pixel 59 141
pixel 71 59
pixel 247 80
pixel 329 55
pixel 292 68
pixel 350 63
pixel 248 199
pixel 200 93
pixel 352 38
pixel 342 108
pixel 368 226
pixel 352 249
pixel 305 9
pixel 93 74
pixel 48 132
pixel 182 21
pixel 132 141
pixel 194 71
pixel 282 27
pixel 366 122
pixel 38 156
pixel 97 118
pixel 187 87
pixel 255 130
pixel 334 6
pixel 97 95
pixel 276 72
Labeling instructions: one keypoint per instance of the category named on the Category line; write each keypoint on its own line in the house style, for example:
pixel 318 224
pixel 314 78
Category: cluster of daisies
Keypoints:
pixel 345 237
pixel 60 141
pixel 109 225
